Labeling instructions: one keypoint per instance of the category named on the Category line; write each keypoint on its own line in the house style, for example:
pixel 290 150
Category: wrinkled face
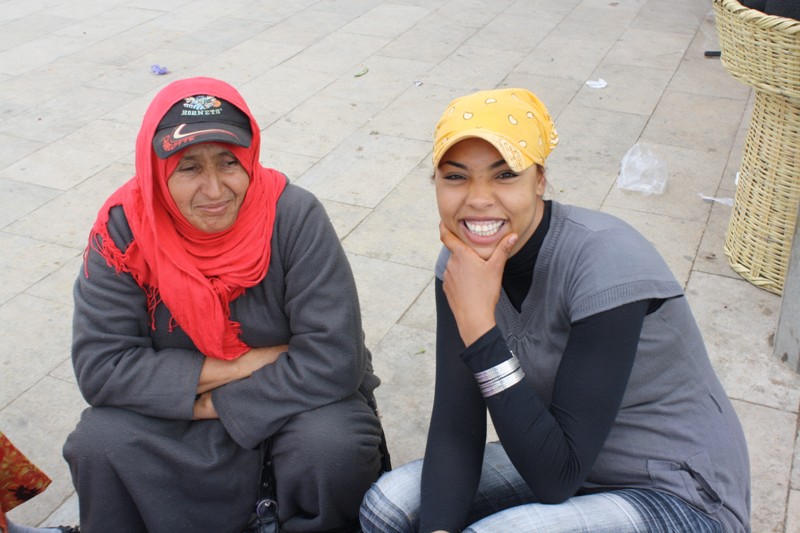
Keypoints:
pixel 209 186
pixel 481 200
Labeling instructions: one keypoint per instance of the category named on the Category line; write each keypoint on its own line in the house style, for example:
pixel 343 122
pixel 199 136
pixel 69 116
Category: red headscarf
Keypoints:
pixel 196 274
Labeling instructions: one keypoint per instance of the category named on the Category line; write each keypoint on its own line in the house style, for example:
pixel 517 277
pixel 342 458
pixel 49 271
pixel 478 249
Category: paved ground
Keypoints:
pixel 75 78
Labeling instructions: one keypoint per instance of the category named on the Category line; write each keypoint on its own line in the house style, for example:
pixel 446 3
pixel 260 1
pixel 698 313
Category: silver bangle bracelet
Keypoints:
pixel 498 386
pixel 500 377
pixel 498 371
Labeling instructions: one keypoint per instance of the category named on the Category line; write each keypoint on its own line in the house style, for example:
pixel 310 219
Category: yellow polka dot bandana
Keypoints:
pixel 514 121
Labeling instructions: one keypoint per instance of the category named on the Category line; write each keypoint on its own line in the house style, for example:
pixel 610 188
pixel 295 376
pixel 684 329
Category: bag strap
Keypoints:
pixel 267 505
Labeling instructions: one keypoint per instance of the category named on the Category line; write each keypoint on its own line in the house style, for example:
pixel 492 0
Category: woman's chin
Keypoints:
pixel 482 245
pixel 483 250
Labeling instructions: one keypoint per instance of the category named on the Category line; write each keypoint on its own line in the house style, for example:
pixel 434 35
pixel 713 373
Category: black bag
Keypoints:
pixel 266 513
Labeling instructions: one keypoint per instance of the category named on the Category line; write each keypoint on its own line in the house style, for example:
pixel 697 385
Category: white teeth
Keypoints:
pixel 484 229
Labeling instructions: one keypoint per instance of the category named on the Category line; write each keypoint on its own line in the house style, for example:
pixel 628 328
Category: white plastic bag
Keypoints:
pixel 642 171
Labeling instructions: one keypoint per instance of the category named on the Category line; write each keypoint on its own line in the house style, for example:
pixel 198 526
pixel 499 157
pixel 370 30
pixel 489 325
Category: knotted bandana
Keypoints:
pixel 514 121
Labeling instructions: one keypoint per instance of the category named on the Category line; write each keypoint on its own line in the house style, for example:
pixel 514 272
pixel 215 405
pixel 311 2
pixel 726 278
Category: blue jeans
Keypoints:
pixel 504 503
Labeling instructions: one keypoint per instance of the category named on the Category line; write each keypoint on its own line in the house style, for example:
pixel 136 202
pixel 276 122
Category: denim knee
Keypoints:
pixel 392 503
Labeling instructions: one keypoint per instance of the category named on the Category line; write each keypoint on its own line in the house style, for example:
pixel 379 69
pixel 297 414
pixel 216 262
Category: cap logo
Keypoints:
pixel 177 138
pixel 203 105
pixel 178 133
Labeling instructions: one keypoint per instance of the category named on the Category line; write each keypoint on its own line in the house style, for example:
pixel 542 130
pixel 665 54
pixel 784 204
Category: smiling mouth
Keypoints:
pixel 485 228
pixel 214 208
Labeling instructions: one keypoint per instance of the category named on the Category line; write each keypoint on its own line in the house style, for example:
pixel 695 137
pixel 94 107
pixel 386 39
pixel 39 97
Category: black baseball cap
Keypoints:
pixel 199 119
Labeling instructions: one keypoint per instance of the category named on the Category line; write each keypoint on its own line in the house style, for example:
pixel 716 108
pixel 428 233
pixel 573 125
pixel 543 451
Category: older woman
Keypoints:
pixel 566 325
pixel 216 312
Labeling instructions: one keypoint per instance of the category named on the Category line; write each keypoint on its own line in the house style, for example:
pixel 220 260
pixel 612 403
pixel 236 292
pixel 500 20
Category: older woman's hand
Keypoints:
pixel 218 372
pixel 472 285
pixel 204 407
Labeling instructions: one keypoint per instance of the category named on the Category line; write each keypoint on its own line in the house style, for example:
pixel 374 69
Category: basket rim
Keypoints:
pixel 762 20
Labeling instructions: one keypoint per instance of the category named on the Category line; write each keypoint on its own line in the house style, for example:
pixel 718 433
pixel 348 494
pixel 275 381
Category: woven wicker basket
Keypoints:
pixel 763 51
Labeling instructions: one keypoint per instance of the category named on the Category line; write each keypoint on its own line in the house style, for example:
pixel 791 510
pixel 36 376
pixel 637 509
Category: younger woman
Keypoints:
pixel 568 326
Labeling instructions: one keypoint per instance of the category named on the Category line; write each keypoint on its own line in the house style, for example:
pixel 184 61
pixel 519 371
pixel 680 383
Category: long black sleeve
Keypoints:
pixel 457 435
pixel 553 449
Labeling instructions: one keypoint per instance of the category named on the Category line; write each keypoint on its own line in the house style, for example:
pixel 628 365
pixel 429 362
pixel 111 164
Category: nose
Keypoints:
pixel 480 194
pixel 212 184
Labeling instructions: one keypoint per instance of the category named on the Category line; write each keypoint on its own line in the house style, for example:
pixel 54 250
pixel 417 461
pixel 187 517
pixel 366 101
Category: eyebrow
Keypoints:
pixel 496 164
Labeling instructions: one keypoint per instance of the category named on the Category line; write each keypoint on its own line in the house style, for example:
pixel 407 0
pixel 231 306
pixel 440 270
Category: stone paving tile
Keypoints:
pixel 81 10
pixel 405 362
pixel 345 217
pixel 26 261
pixel 57 286
pixel 66 513
pixel 795 479
pixel 37 53
pixel 320 124
pixel 386 20
pixel 350 8
pixel 272 11
pixel 18 199
pixel 432 39
pixel 292 165
pixel 710 255
pixel 743 355
pixel 71 159
pixel 305 27
pixel 651 49
pixel 708 122
pixel 597 22
pixel 471 67
pixel 690 174
pixel 276 92
pixel 379 79
pixel 673 17
pixel 383 300
pixel 76 208
pixel 630 89
pixel 557 92
pixel 565 56
pixel 414 113
pixel 407 218
pixel 793 513
pixel 28 354
pixel 422 313
pixel 364 168
pixel 59 116
pixel 30 27
pixel 473 13
pixel 770 438
pixel 46 82
pixel 337 53
pixel 237 64
pixel 510 31
pixel 107 23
